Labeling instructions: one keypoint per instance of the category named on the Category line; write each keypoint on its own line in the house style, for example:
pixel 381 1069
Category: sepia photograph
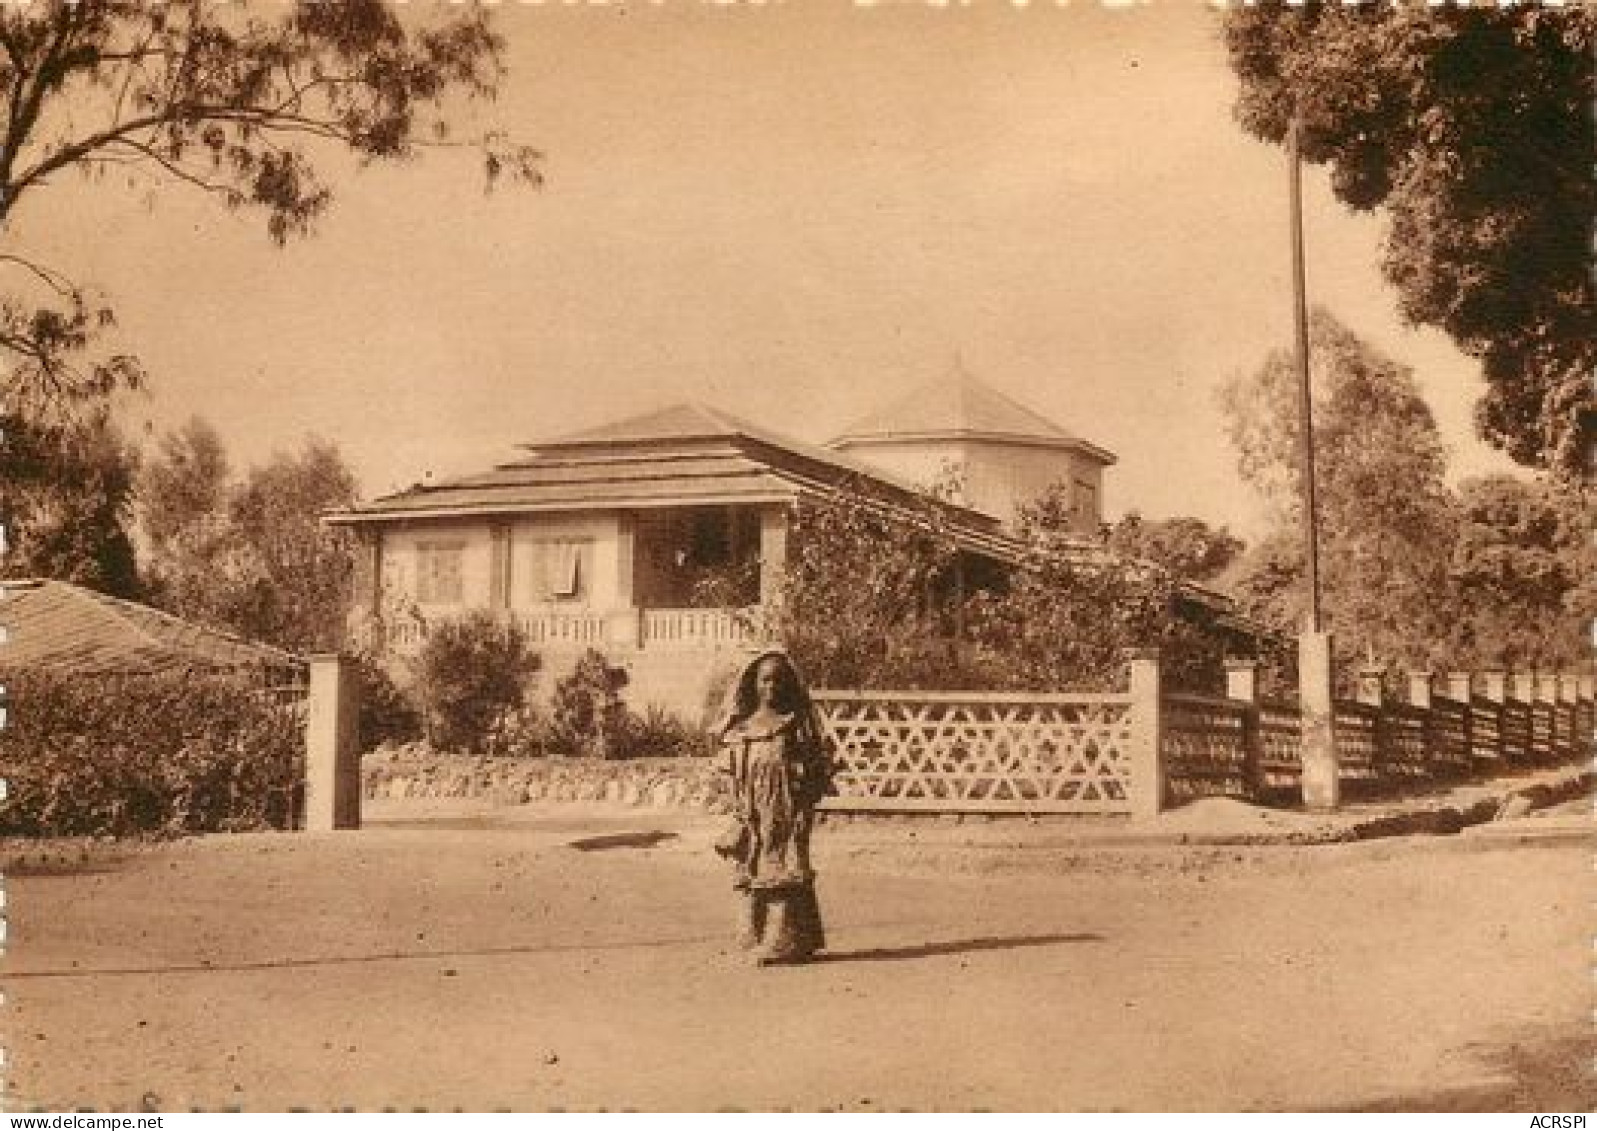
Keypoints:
pixel 797 556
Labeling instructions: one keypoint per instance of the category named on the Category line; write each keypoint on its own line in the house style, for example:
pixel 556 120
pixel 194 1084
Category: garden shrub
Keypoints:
pixel 657 733
pixel 471 672
pixel 588 714
pixel 165 754
pixel 389 713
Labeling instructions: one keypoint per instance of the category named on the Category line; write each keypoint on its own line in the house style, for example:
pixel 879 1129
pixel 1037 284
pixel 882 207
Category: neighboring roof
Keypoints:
pixel 57 625
pixel 956 406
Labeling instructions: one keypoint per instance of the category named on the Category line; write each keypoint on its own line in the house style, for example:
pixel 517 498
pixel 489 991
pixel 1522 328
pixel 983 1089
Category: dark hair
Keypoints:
pixel 790 695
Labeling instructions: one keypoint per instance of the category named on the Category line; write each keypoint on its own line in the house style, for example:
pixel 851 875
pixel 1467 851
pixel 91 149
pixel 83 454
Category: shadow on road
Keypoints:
pixel 961 946
pixel 621 840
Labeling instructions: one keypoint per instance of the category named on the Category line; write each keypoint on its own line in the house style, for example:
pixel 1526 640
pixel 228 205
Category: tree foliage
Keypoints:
pixel 243 103
pixel 860 600
pixel 881 598
pixel 1523 574
pixel 1472 127
pixel 1385 512
pixel 1070 614
pixel 66 492
pixel 248 555
pixel 1188 547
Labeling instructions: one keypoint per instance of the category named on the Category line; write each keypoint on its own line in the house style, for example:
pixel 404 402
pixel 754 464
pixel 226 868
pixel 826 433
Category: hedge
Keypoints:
pixel 163 754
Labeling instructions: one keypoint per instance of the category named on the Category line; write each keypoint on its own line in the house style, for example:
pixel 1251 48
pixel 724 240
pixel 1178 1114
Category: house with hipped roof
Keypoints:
pixel 599 538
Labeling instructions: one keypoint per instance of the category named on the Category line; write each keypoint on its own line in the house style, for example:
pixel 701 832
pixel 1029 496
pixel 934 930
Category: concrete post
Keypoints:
pixel 1495 686
pixel 1587 688
pixel 332 746
pixel 1568 689
pixel 1371 688
pixel 1147 735
pixel 1459 687
pixel 1421 686
pixel 1321 781
pixel 1524 687
pixel 773 554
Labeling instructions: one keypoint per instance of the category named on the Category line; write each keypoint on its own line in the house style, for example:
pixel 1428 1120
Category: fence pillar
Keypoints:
pixel 1494 685
pixel 1242 680
pixel 1460 687
pixel 332 746
pixel 1321 782
pixel 1421 686
pixel 1147 735
pixel 1371 690
pixel 1587 688
pixel 1523 685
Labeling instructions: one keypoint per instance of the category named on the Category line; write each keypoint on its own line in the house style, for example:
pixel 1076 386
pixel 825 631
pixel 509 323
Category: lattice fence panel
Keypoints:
pixel 1206 747
pixel 951 753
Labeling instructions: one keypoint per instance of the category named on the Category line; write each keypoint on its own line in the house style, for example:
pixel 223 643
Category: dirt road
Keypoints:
pixel 449 966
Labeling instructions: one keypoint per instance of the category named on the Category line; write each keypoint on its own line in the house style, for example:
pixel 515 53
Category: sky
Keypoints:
pixel 794 211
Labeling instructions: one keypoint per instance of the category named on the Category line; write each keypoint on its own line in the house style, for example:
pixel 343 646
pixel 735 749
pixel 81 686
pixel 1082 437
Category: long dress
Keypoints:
pixel 778 775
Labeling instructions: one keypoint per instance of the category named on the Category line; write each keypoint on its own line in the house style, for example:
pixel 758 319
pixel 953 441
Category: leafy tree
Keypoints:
pixel 183 515
pixel 65 498
pixel 1188 547
pixel 1524 576
pixel 292 585
pixel 252 555
pixel 1473 128
pixel 1385 513
pixel 867 599
pixel 243 104
pixel 1070 614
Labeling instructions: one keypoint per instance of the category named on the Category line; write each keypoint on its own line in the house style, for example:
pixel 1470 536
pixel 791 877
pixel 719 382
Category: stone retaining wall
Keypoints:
pixel 414 771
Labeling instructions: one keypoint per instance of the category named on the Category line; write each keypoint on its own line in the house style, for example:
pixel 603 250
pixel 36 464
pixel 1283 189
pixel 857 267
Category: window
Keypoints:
pixel 439 579
pixel 561 569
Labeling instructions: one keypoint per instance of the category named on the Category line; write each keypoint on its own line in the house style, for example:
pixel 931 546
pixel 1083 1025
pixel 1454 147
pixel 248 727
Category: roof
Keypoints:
pixel 958 406
pixel 679 455
pixel 54 624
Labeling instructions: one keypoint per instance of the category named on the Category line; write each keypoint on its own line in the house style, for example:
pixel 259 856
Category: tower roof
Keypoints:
pixel 958 406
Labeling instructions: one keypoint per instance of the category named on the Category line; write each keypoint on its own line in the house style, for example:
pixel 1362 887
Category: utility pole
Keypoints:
pixel 1321 780
pixel 1300 317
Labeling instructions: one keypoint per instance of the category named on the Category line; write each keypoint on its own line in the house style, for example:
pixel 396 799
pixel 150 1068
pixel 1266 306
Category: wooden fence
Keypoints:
pixel 1134 752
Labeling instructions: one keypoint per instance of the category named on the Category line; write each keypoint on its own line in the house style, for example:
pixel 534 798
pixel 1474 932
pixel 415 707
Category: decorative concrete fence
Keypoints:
pixel 975 752
pixel 1135 753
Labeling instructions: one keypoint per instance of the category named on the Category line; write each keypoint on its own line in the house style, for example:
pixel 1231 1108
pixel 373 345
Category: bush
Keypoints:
pixel 167 754
pixel 388 712
pixel 657 733
pixel 587 708
pixel 469 673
